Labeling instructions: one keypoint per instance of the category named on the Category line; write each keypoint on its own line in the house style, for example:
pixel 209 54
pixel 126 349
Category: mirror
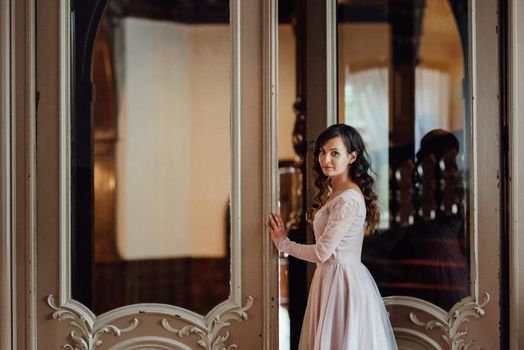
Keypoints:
pixel 406 94
pixel 402 80
pixel 161 169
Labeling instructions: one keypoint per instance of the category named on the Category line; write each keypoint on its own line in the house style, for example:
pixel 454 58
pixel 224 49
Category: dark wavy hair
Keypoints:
pixel 359 172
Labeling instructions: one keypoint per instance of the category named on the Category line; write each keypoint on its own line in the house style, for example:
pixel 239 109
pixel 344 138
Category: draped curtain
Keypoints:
pixel 366 95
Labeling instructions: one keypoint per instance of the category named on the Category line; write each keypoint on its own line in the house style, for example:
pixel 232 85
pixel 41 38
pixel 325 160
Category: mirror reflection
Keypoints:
pixel 403 83
pixel 161 164
pixel 406 95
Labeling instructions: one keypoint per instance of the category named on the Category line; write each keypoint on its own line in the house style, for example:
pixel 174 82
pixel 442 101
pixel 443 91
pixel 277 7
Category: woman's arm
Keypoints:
pixel 342 214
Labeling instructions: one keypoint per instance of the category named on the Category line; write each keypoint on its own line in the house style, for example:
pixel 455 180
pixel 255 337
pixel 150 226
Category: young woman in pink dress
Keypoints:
pixel 345 310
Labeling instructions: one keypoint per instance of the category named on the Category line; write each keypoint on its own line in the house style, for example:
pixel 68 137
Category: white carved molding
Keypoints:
pixel 452 324
pixel 411 339
pixel 92 327
pixel 209 334
pixel 150 343
pixel 85 322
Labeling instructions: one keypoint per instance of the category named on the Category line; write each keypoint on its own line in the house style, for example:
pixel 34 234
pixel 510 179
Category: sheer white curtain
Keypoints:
pixel 366 99
pixel 367 109
pixel 431 102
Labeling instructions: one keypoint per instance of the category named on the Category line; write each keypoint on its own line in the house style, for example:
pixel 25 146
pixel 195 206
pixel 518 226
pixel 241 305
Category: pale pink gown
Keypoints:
pixel 345 310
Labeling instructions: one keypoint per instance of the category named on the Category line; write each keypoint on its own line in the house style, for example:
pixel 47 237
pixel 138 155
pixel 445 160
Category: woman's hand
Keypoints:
pixel 276 228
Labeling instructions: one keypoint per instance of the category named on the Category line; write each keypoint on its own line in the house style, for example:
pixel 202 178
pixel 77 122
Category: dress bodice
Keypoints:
pixel 334 213
pixel 339 232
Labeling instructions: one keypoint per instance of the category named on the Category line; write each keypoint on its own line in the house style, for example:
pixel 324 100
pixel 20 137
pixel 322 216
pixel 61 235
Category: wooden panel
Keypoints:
pixel 6 301
pixel 516 130
pixel 250 277
pixel 195 284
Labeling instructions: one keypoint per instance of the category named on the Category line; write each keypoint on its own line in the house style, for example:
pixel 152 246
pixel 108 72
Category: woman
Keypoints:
pixel 345 310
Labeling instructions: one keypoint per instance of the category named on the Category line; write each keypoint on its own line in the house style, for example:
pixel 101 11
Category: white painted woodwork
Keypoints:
pixel 516 160
pixel 254 298
pixel 34 153
pixel 6 245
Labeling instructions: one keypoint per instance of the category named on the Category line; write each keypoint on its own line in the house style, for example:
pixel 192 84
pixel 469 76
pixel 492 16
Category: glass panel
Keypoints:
pixel 290 176
pixel 161 165
pixel 292 150
pixel 406 95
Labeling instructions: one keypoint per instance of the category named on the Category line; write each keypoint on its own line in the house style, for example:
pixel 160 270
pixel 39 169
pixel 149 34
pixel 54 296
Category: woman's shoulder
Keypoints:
pixel 350 198
pixel 349 195
pixel 347 203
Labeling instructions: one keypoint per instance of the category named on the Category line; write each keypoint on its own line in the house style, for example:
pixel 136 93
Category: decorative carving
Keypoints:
pixel 151 343
pixel 428 187
pixel 407 191
pixel 86 323
pixel 454 332
pixel 210 339
pixel 299 130
pixel 402 193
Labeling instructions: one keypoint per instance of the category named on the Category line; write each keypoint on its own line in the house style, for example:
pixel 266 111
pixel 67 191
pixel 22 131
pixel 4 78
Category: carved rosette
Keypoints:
pixel 90 332
pixel 209 333
pixel 454 330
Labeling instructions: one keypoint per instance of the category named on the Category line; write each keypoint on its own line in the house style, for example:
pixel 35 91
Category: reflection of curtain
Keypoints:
pixel 431 102
pixel 166 71
pixel 366 108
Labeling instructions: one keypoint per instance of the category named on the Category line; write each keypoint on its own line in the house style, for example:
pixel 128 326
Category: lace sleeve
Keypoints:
pixel 343 212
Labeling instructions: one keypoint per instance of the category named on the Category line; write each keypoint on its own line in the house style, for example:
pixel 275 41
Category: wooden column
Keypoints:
pixel 405 17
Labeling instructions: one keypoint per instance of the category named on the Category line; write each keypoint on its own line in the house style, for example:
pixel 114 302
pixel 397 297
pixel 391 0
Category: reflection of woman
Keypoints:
pixel 438 241
pixel 345 309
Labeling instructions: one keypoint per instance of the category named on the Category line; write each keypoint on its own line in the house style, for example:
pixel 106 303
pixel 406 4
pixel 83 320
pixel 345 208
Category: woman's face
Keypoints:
pixel 334 158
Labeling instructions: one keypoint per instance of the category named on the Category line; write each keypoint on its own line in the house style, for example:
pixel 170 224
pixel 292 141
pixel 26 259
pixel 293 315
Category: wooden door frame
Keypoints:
pixel 413 319
pixel 516 171
pixel 18 100
pixel 18 107
pixel 6 244
pixel 41 199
